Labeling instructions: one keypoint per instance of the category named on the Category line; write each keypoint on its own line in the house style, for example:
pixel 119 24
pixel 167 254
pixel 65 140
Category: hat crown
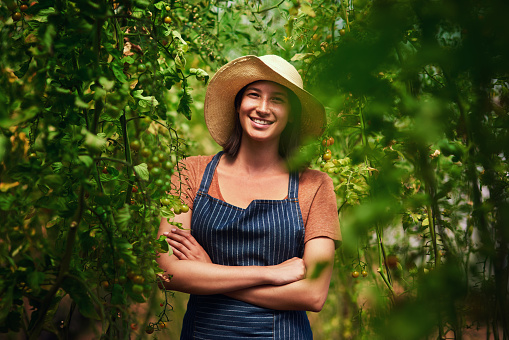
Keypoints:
pixel 220 109
pixel 284 68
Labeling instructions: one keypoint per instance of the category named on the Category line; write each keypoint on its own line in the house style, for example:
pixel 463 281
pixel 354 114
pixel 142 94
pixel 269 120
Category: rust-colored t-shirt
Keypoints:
pixel 317 199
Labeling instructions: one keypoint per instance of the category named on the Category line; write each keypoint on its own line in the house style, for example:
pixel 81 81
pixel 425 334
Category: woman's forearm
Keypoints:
pixel 195 277
pixel 300 295
pixel 307 294
pixel 207 278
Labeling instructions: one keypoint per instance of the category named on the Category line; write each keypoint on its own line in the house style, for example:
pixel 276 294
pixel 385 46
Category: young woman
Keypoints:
pixel 257 246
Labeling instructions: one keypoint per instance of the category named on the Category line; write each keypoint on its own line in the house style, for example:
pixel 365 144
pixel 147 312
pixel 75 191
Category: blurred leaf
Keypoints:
pixel 184 106
pixel 122 217
pixel 80 294
pixel 142 171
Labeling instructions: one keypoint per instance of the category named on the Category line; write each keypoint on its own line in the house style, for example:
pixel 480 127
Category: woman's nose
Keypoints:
pixel 263 107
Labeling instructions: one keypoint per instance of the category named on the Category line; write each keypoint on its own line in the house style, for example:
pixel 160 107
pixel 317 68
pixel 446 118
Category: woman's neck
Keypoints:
pixel 258 158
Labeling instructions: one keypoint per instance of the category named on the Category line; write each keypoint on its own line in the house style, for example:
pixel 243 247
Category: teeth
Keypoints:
pixel 259 121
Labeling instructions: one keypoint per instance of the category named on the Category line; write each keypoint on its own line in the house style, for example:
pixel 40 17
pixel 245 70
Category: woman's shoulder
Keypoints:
pixel 195 163
pixel 312 181
pixel 311 176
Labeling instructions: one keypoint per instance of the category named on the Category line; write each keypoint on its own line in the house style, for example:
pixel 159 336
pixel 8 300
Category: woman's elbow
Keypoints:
pixel 316 301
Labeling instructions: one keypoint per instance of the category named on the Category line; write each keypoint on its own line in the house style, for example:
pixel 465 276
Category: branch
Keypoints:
pixel 269 8
pixel 64 268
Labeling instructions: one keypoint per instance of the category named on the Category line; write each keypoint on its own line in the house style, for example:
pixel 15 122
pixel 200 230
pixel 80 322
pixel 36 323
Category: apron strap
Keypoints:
pixel 293 185
pixel 293 182
pixel 209 173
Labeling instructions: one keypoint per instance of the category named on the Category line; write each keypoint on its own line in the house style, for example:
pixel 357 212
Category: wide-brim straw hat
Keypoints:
pixel 220 110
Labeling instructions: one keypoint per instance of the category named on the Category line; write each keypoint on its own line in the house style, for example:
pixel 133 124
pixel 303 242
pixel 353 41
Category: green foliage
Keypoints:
pixel 80 209
pixel 418 92
pixel 95 114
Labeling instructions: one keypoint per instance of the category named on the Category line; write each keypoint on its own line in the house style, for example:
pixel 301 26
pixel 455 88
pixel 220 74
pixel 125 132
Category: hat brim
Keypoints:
pixel 219 108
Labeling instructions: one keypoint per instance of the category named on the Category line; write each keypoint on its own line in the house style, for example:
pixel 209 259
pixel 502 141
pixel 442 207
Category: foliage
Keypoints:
pixel 94 111
pixel 87 120
pixel 429 115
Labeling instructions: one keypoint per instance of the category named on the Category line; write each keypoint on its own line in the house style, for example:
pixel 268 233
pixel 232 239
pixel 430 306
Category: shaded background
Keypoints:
pixel 416 95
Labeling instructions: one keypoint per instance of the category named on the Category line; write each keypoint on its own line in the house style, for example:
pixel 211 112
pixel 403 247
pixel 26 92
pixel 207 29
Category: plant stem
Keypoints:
pixel 64 267
pixel 433 235
pixel 128 159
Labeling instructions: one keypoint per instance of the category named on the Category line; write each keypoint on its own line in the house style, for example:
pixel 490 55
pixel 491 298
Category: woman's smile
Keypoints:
pixel 264 111
pixel 261 121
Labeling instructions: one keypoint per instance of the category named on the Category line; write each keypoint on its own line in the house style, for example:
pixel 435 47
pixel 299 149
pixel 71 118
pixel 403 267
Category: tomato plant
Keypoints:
pixel 94 113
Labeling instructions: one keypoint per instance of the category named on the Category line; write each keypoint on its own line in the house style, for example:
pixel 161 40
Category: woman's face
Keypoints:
pixel 264 110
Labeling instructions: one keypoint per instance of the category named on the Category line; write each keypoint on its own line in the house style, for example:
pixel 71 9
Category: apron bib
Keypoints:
pixel 266 233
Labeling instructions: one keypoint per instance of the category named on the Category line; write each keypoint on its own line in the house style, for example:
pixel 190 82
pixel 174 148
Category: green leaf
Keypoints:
pixel 107 84
pixel 3 146
pixel 118 72
pixel 43 17
pixel 166 212
pixel 122 217
pixel 185 104
pixel 18 116
pixel 7 297
pixel 319 268
pixel 145 103
pixel 142 3
pixel 6 202
pixel 95 143
pixel 200 74
pixel 53 181
pixel 302 56
pixel 183 47
pixel 80 103
pixel 180 62
pixel 86 160
pixel 160 5
pixel 23 69
pixel 35 279
pixel 142 171
pixel 308 10
pixel 162 243
pixel 127 59
pixel 117 295
pixel 125 250
pixel 80 294
pixel 51 202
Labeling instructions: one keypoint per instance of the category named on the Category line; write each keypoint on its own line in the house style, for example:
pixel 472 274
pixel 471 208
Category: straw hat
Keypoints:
pixel 232 77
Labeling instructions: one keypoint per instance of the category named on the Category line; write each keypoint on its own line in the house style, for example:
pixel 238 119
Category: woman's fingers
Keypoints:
pixel 185 246
pixel 179 250
pixel 184 238
pixel 289 271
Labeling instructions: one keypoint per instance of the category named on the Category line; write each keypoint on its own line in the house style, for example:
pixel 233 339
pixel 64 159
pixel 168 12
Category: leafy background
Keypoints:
pixel 100 101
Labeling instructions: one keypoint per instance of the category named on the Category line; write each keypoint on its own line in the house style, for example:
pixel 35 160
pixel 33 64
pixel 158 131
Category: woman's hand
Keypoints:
pixel 185 246
pixel 289 271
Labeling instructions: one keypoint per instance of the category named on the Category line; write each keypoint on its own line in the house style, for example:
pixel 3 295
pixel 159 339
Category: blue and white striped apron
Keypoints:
pixel 267 232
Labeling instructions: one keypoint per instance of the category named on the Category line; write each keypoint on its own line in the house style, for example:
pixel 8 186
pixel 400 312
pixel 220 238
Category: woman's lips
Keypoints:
pixel 261 121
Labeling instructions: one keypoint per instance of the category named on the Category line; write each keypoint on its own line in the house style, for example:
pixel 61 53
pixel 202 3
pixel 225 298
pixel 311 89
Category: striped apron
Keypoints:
pixel 266 233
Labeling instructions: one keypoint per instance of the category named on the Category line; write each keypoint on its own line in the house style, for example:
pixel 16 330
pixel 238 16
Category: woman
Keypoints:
pixel 261 246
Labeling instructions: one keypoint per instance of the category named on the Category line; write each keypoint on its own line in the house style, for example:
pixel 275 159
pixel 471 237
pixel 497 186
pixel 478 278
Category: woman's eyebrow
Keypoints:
pixel 277 93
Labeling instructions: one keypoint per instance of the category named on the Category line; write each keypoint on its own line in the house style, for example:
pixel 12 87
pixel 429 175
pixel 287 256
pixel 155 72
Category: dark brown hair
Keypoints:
pixel 290 137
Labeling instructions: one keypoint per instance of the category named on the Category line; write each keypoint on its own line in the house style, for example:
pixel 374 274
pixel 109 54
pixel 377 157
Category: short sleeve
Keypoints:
pixel 186 178
pixel 320 205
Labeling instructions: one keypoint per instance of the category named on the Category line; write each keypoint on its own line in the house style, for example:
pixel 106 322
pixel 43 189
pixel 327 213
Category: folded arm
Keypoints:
pixel 307 294
pixel 190 270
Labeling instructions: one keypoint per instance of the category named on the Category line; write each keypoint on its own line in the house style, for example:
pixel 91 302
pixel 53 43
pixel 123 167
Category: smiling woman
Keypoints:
pixel 264 111
pixel 283 99
pixel 256 227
